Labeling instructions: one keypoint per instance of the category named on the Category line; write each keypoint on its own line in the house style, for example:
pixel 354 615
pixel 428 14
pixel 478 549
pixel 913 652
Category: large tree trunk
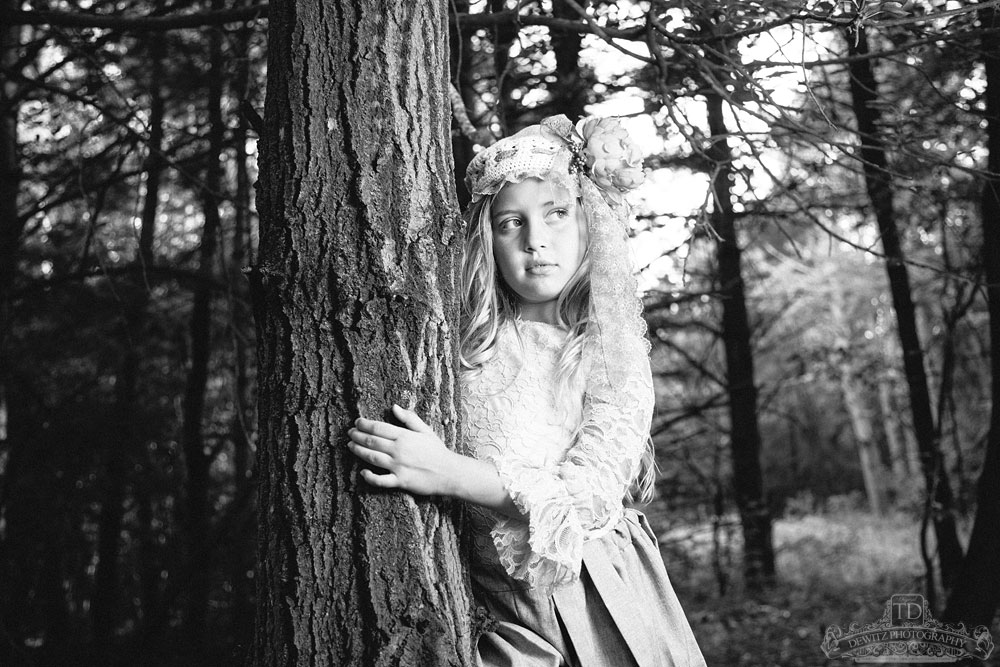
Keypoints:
pixel 355 306
pixel 748 482
pixel 976 595
pixel 878 181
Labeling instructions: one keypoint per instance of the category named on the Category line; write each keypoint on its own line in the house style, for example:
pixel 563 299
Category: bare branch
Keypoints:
pixel 136 23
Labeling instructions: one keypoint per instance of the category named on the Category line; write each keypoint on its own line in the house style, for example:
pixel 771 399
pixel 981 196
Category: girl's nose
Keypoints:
pixel 536 235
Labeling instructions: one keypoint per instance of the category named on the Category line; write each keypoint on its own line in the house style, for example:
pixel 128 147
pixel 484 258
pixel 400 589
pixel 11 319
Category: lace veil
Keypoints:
pixel 597 162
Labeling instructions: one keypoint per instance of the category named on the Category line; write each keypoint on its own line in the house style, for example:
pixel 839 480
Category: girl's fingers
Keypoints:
pixel 375 442
pixel 386 481
pixel 371 456
pixel 410 419
pixel 381 429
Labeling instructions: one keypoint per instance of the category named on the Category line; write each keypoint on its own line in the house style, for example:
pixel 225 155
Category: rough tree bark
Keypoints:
pixel 976 596
pixel 355 307
pixel 878 181
pixel 748 482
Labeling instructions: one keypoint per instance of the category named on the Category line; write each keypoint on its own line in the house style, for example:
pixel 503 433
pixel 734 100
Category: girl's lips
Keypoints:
pixel 541 269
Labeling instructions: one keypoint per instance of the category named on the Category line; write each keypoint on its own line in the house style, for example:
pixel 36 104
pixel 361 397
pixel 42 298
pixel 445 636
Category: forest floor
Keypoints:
pixel 833 568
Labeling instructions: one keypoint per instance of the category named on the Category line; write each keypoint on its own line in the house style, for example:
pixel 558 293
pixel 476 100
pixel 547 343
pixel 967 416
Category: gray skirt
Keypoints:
pixel 621 611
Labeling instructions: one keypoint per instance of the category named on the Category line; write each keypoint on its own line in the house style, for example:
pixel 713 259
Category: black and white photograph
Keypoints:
pixel 499 333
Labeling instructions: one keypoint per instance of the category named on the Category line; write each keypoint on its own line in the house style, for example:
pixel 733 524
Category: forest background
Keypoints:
pixel 818 241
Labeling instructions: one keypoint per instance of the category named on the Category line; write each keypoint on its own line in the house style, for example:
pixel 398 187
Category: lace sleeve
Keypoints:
pixel 582 498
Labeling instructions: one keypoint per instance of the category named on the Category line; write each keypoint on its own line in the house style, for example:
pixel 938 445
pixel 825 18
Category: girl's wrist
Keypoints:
pixel 475 481
pixel 451 474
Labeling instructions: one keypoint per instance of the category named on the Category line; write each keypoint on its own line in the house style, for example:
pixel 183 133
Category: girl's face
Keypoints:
pixel 539 240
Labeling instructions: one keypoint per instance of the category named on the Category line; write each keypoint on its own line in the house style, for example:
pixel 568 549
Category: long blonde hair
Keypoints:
pixel 488 304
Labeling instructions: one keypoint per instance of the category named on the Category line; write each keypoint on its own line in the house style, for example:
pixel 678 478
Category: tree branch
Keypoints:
pixel 133 24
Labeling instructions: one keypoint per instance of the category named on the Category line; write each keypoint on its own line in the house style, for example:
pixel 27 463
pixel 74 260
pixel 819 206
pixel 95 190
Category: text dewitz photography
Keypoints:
pixel 907 631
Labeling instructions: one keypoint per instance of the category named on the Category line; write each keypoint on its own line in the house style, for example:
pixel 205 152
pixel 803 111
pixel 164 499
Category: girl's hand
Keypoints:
pixel 415 457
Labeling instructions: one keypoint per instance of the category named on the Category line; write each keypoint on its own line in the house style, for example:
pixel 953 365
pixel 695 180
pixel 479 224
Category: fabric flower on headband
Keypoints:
pixel 614 160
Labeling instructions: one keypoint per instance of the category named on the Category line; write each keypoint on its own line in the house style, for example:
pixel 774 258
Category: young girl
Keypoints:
pixel 557 401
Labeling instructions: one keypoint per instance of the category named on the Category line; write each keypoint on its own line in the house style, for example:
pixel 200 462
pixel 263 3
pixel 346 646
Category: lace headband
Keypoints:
pixel 598 148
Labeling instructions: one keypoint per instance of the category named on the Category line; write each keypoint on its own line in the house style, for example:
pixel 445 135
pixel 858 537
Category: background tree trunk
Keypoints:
pixel 124 441
pixel 899 452
pixel 976 595
pixel 155 166
pixel 355 307
pixel 503 36
pixel 461 55
pixel 241 330
pixel 569 95
pixel 864 95
pixel 11 226
pixel 856 402
pixel 744 431
pixel 864 434
pixel 11 223
pixel 105 603
pixel 197 460
pixel 154 163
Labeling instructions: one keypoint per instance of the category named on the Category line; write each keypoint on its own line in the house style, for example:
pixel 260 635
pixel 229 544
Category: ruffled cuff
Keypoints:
pixel 546 551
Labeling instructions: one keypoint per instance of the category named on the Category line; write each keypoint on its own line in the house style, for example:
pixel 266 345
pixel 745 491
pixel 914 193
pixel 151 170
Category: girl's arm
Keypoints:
pixel 416 460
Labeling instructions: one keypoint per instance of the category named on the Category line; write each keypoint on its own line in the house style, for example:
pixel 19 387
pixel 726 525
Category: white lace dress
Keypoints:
pixel 581 581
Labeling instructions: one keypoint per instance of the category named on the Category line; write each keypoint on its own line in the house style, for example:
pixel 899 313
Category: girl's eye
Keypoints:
pixel 509 223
